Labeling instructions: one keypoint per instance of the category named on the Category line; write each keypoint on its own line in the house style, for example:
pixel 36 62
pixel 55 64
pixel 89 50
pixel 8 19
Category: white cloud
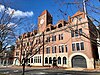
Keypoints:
pixel 22 14
pixel 2 8
pixel 17 13
pixel 12 24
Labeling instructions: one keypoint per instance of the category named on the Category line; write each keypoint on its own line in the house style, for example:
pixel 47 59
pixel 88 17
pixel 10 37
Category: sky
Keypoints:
pixel 59 9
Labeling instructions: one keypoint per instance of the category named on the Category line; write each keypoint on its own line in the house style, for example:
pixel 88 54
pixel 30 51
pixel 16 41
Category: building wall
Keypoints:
pixel 64 29
pixel 98 48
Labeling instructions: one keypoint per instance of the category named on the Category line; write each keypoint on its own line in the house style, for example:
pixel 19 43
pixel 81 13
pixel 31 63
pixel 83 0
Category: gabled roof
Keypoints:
pixel 77 13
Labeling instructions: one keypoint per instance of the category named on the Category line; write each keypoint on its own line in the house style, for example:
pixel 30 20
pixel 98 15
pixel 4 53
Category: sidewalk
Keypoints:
pixel 83 69
pixel 69 69
pixel 33 67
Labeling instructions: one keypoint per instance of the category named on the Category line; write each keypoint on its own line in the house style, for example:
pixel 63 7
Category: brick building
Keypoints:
pixel 63 44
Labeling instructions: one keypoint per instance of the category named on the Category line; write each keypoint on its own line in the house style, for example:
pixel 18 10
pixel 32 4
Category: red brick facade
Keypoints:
pixel 64 43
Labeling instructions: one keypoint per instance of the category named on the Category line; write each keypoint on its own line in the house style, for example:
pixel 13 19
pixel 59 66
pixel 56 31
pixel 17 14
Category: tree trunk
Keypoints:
pixel 23 68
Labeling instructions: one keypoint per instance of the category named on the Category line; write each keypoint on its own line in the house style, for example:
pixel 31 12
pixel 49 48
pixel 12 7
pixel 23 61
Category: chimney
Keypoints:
pixel 69 19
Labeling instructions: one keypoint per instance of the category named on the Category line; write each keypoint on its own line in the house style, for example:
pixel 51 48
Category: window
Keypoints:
pixel 82 45
pixel 66 48
pixel 60 25
pixel 18 45
pixel 39 51
pixel 54 49
pixel 40 59
pixel 47 50
pixel 50 60
pixel 64 60
pixel 77 46
pixel 80 31
pixel 31 60
pixel 17 53
pixel 48 39
pixel 73 47
pixel 61 49
pixel 54 38
pixel 27 43
pixel 23 53
pixel 80 18
pixel 46 60
pixel 59 60
pixel 72 33
pixel 47 29
pixel 76 33
pixel 60 36
pixel 39 41
pixel 37 59
pixel 36 41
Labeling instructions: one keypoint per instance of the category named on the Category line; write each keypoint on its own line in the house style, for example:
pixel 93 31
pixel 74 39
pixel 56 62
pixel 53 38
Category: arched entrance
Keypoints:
pixel 79 61
pixel 54 61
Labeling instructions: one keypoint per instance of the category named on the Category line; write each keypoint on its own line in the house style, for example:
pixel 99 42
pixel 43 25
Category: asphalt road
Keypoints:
pixel 43 71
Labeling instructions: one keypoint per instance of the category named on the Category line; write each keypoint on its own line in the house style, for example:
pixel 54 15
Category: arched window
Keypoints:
pixel 46 60
pixel 32 34
pixel 50 60
pixel 64 60
pixel 59 60
pixel 60 25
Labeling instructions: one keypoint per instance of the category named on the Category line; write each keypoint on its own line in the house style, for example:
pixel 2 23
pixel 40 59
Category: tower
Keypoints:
pixel 43 20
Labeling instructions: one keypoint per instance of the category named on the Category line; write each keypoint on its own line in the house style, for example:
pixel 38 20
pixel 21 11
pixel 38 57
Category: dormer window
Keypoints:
pixel 47 30
pixel 80 18
pixel 35 33
pixel 28 35
pixel 60 25
pixel 32 34
pixel 25 36
pixel 52 27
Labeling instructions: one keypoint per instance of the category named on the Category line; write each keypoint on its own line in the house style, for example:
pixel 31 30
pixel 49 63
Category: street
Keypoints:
pixel 44 71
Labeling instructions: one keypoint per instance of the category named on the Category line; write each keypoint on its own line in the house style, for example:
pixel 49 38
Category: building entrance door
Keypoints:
pixel 54 61
pixel 79 61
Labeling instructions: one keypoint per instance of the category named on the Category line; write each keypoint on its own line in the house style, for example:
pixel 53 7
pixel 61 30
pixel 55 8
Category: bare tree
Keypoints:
pixel 35 43
pixel 6 29
pixel 86 6
pixel 9 26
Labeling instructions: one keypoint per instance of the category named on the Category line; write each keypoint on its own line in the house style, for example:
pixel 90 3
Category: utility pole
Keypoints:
pixel 84 7
pixel 43 50
pixel 23 64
